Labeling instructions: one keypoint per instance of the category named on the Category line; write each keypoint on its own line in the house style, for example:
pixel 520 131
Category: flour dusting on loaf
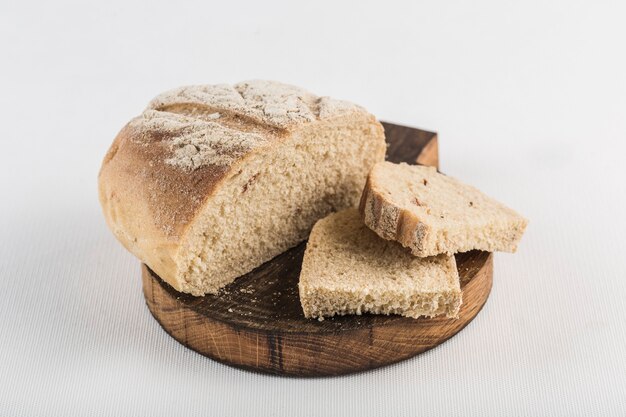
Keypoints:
pixel 196 142
pixel 269 102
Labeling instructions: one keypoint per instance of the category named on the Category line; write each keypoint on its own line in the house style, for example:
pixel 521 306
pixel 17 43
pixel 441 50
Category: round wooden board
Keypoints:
pixel 257 322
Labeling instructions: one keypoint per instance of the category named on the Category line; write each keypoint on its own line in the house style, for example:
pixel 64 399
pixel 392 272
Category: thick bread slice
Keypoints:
pixel 347 269
pixel 211 181
pixel 432 213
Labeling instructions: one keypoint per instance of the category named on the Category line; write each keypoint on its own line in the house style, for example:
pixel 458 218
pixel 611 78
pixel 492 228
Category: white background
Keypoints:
pixel 529 99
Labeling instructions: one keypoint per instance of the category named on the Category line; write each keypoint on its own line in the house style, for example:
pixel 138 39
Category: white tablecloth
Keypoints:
pixel 529 99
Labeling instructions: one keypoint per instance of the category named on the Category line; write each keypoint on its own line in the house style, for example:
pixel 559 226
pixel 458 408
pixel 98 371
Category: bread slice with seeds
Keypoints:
pixel 348 269
pixel 432 213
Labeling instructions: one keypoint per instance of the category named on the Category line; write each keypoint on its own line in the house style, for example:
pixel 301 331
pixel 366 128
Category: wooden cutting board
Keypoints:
pixel 257 322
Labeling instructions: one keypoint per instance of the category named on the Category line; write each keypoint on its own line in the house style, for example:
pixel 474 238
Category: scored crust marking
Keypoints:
pixel 193 142
pixel 216 125
pixel 267 102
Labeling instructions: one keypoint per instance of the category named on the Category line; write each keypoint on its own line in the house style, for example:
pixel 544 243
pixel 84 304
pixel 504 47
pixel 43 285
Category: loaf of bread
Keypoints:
pixel 211 181
pixel 432 213
pixel 348 269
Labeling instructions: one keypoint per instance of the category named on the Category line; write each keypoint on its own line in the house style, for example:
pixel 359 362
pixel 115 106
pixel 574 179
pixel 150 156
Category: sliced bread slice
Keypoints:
pixel 431 213
pixel 347 269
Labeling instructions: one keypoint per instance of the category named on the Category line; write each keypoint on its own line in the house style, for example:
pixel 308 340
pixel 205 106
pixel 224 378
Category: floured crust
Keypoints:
pixel 431 213
pixel 266 103
pixel 165 163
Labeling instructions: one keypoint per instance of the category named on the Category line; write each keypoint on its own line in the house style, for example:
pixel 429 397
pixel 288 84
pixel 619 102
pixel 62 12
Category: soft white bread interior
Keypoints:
pixel 348 269
pixel 211 181
pixel 432 213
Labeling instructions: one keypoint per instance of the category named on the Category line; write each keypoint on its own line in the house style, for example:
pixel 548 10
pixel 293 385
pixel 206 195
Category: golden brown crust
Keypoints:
pixel 172 194
pixel 390 221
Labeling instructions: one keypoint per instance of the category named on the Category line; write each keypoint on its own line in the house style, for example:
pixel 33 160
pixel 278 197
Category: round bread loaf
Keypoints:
pixel 211 181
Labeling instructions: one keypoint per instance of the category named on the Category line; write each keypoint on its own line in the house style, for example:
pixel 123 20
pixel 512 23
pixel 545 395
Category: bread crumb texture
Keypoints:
pixel 432 213
pixel 348 269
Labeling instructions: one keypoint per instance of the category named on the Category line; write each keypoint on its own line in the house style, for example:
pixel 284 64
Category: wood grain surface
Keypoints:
pixel 257 322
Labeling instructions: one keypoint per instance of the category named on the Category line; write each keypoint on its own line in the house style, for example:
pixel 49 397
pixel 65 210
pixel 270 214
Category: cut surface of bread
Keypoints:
pixel 348 269
pixel 432 213
pixel 211 181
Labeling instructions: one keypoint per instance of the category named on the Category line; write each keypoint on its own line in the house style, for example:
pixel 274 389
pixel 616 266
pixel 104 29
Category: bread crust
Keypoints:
pixel 391 222
pixel 382 212
pixel 165 164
